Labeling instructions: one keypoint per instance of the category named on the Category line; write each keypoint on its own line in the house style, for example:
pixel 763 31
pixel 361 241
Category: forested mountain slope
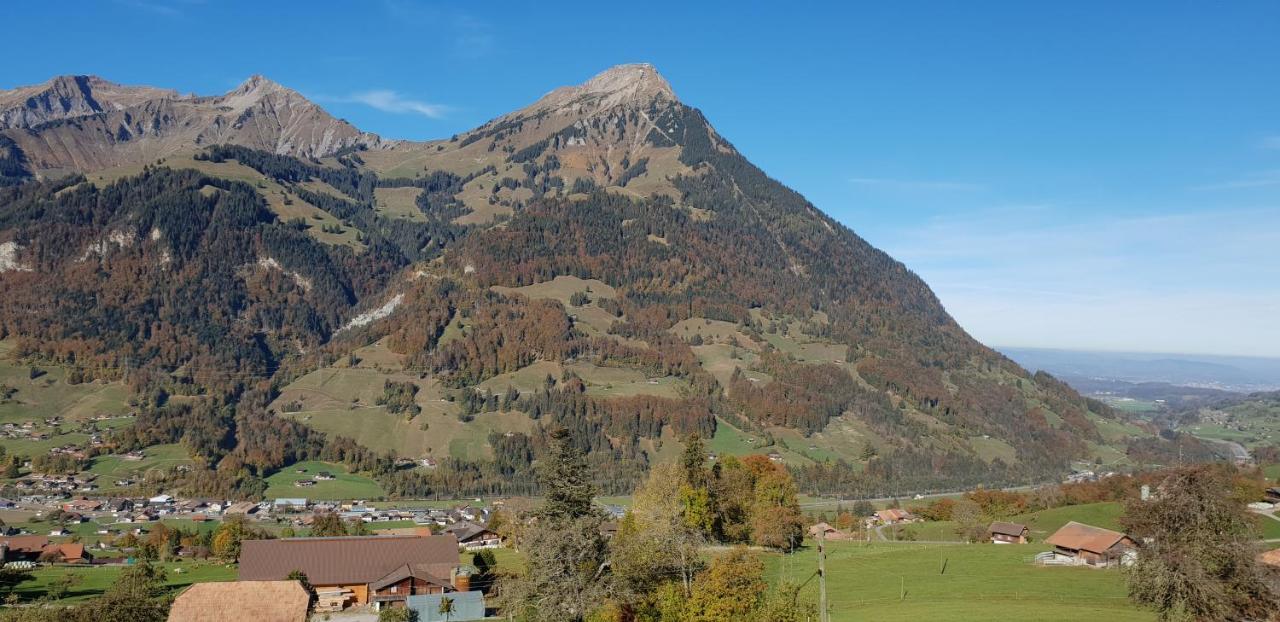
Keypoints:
pixel 602 261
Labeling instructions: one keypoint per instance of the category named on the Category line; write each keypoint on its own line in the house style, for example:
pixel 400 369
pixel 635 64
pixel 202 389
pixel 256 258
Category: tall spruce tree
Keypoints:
pixel 566 576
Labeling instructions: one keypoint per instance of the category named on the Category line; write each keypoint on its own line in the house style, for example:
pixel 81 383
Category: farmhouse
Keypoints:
pixel 473 537
pixel 893 516
pixel 266 601
pixel 1081 544
pixel 1008 533
pixel 358 569
pixel 66 553
pixel 22 548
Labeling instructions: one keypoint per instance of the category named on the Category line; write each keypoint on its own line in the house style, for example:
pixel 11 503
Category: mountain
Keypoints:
pixel 601 260
pixel 85 123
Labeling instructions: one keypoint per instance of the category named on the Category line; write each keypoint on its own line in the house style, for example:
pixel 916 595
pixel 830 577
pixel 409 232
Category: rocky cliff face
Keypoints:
pixel 85 124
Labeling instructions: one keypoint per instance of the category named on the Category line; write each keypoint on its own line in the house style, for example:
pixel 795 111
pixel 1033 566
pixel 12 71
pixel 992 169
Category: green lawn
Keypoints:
pixel 911 582
pixel 94 580
pixel 345 486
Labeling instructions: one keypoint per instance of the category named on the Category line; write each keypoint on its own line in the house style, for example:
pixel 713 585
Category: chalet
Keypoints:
pixel 66 553
pixel 120 505
pixel 827 532
pixel 359 569
pixel 324 476
pixel 265 601
pixel 160 500
pixel 473 537
pixel 22 548
pixel 1008 533
pixel 893 516
pixel 1080 544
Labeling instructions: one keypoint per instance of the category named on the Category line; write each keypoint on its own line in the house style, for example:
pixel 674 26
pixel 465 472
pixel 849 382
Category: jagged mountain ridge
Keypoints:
pixel 85 123
pixel 760 309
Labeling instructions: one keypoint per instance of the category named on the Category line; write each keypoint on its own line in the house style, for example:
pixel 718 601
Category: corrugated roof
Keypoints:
pixel 1082 537
pixel 345 560
pixel 1007 529
pixel 261 601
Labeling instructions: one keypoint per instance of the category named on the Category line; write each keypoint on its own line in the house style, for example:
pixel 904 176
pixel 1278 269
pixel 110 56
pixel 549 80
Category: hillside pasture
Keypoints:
pixel 909 582
pixel 344 485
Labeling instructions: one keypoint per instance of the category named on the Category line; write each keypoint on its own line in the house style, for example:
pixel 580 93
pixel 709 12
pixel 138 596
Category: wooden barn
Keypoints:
pixel 1008 533
pixel 357 569
pixel 1083 544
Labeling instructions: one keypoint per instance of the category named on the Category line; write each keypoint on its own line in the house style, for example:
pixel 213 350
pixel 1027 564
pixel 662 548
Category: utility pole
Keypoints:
pixel 822 576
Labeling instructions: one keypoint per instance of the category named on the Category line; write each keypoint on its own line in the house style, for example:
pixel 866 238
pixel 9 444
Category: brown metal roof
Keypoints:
pixel 1082 537
pixel 261 601
pixel 417 571
pixel 25 544
pixel 1007 529
pixel 347 560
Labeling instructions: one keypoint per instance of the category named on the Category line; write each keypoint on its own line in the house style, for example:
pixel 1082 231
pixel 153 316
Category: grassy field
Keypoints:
pixel 49 395
pixel 345 486
pixel 399 203
pixel 154 457
pixel 93 581
pixel 887 582
pixel 1131 405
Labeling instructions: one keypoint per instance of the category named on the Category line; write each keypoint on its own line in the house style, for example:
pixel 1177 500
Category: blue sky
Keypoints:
pixel 1095 175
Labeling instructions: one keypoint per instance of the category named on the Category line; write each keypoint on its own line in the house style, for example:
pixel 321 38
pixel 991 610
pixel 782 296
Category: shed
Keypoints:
pixel 466 606
pixel 1008 533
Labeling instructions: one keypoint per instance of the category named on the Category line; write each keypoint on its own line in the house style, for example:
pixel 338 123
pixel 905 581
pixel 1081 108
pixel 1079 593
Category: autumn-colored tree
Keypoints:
pixel 775 514
pixel 731 589
pixel 1197 561
pixel 654 543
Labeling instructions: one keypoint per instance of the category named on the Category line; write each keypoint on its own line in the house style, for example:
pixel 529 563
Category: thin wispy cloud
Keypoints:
pixel 388 100
pixel 913 184
pixel 1271 142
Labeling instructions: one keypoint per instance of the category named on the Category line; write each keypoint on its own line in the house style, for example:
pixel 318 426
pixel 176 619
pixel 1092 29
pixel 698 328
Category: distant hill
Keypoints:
pixel 1227 373
pixel 275 285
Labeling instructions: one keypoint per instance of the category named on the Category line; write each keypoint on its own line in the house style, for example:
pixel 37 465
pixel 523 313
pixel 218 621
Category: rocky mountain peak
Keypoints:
pixel 621 84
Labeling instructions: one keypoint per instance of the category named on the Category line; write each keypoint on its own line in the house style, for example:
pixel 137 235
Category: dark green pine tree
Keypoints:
pixel 565 578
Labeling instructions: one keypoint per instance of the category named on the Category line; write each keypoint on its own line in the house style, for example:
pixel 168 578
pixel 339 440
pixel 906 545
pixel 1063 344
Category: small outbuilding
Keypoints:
pixel 1008 533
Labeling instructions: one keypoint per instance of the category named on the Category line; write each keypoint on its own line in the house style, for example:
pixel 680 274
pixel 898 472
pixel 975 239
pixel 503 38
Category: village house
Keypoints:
pixel 473 537
pixel 827 531
pixel 261 601
pixel 894 516
pixel 358 570
pixel 1081 544
pixel 22 548
pixel 66 553
pixel 1008 533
